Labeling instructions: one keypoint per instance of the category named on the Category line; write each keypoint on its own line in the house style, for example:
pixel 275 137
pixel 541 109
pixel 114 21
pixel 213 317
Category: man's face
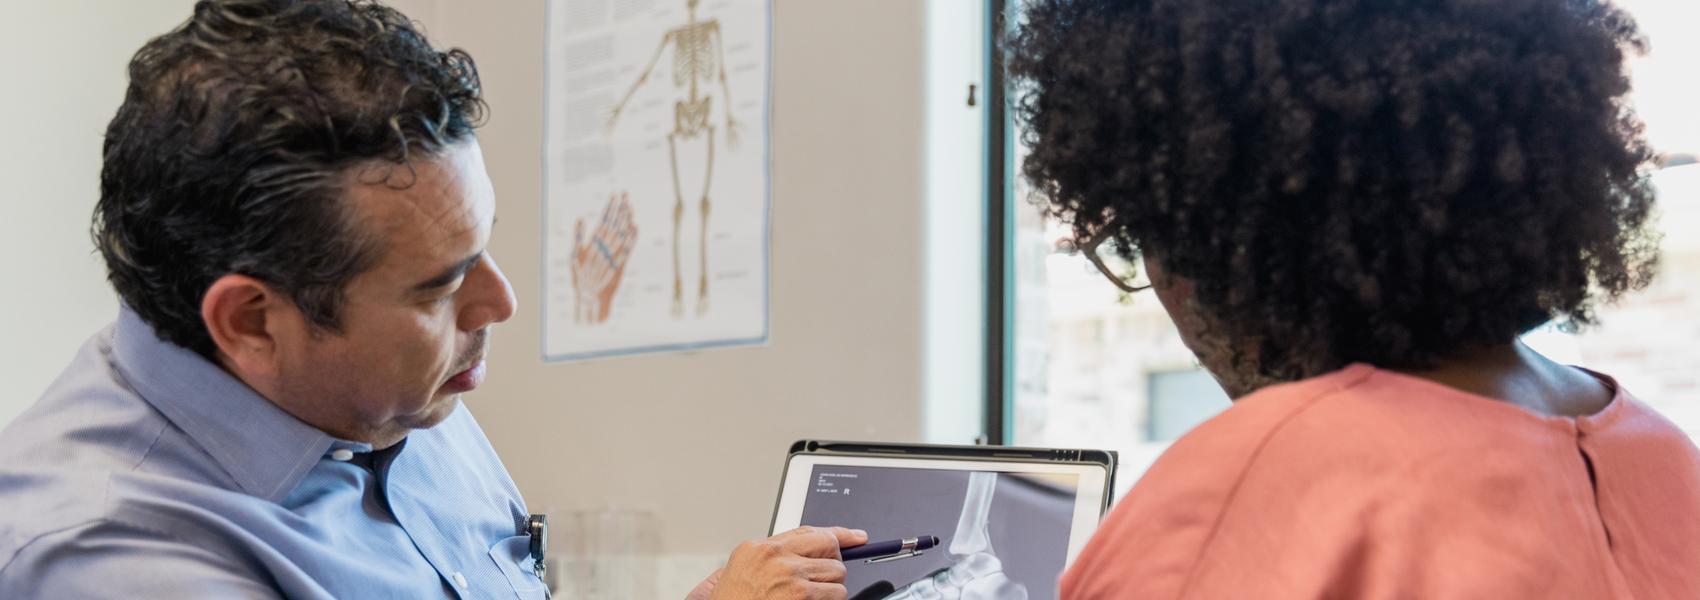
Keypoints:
pixel 416 324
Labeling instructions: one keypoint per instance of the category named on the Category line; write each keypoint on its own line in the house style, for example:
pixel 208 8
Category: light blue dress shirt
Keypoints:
pixel 146 471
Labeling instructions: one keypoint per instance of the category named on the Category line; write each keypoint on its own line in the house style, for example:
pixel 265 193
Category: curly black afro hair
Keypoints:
pixel 1385 181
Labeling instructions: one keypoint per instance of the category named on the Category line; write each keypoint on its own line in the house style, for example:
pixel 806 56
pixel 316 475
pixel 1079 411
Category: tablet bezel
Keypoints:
pixel 1096 469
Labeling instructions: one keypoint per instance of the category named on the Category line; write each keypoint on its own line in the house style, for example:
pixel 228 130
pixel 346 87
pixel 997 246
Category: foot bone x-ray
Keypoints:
pixel 975 573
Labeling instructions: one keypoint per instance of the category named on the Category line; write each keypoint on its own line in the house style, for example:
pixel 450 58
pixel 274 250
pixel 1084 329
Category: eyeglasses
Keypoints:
pixel 1091 252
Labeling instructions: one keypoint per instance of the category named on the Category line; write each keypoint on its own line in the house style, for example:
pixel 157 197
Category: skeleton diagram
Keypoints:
pixel 976 574
pixel 698 55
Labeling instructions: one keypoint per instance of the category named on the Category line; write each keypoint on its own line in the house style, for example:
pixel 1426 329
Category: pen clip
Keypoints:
pixel 894 557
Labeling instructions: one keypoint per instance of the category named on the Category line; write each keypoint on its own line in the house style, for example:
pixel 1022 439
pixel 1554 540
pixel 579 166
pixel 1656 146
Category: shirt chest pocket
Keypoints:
pixel 513 557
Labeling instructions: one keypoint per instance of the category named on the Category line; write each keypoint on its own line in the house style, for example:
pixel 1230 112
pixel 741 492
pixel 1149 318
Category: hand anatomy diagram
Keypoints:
pixel 976 573
pixel 599 263
pixel 699 58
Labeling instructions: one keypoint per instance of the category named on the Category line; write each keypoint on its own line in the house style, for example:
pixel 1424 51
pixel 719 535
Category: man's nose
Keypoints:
pixel 496 302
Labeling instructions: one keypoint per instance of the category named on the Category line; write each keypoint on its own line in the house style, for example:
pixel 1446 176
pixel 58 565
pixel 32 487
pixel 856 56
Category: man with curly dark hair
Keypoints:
pixel 1352 209
pixel 295 214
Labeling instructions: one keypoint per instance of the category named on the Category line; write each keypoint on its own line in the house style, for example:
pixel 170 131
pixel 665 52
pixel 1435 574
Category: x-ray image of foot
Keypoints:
pixel 975 573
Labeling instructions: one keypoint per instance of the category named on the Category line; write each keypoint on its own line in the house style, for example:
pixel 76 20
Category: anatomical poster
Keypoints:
pixel 656 184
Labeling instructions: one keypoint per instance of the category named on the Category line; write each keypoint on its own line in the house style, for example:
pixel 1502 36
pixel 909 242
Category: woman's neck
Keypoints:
pixel 1517 374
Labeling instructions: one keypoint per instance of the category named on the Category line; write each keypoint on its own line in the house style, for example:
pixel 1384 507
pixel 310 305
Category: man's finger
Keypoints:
pixel 827 591
pixel 846 537
pixel 822 570
pixel 791 533
pixel 849 537
pixel 820 542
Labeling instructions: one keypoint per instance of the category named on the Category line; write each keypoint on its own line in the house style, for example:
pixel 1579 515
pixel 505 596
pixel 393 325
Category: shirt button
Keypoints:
pixel 342 454
pixel 460 580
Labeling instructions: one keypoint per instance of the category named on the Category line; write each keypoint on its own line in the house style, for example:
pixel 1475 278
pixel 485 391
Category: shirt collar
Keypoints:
pixel 265 450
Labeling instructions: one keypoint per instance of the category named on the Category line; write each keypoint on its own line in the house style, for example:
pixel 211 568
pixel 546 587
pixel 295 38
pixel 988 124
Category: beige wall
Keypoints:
pixel 63 75
pixel 699 438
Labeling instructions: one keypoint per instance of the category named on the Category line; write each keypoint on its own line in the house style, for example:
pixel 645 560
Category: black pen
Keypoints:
pixel 890 549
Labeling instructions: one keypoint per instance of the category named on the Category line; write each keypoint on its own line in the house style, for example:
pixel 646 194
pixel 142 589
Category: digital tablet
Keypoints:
pixel 970 522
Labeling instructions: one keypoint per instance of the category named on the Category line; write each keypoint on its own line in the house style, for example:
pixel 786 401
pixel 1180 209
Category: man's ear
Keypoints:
pixel 239 312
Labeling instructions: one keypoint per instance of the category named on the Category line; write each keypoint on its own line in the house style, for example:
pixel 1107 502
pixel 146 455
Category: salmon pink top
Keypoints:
pixel 1366 483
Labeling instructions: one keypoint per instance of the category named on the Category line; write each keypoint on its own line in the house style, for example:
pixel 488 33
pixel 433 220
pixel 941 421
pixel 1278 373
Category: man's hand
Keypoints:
pixel 798 564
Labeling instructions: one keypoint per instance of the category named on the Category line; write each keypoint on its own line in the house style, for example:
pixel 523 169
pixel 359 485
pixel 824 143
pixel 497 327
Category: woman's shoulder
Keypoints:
pixel 1160 529
pixel 1292 426
pixel 1286 483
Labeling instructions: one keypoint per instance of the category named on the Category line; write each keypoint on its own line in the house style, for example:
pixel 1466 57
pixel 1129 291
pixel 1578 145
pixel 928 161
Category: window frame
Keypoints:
pixel 1000 263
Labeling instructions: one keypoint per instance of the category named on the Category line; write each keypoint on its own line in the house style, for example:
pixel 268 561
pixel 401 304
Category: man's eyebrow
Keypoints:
pixel 450 274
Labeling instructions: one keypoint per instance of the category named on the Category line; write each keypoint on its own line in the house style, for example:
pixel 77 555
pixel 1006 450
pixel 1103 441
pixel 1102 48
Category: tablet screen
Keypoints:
pixel 1005 531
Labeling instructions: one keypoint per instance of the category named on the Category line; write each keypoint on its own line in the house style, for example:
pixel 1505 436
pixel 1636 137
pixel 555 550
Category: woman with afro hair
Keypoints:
pixel 1352 209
